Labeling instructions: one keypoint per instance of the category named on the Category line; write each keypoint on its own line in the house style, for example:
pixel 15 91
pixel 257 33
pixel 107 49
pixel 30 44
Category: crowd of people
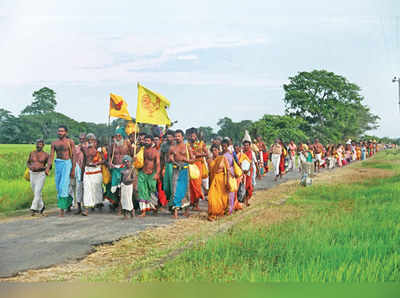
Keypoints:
pixel 143 173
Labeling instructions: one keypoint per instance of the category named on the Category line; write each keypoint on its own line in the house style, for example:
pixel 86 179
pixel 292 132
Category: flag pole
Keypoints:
pixel 109 123
pixel 134 150
pixel 109 129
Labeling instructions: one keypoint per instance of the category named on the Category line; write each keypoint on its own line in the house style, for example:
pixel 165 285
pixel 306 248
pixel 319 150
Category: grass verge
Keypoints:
pixel 343 228
pixel 15 192
pixel 347 233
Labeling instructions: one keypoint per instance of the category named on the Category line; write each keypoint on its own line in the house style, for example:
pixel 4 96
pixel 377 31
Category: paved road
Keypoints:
pixel 45 241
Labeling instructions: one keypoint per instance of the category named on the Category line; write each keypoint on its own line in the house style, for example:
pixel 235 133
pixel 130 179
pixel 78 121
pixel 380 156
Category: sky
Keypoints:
pixel 211 59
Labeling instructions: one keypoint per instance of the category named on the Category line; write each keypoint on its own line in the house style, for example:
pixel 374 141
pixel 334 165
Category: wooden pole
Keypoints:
pixel 134 149
pixel 109 128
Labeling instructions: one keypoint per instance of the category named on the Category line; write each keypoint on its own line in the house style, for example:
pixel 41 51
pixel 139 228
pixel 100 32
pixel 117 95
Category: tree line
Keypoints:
pixel 318 104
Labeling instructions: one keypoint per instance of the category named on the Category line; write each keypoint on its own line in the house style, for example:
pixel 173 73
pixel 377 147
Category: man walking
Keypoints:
pixel 180 157
pixel 318 151
pixel 92 177
pixel 292 155
pixel 276 150
pixel 65 167
pixel 119 149
pixel 37 162
pixel 148 176
pixel 76 186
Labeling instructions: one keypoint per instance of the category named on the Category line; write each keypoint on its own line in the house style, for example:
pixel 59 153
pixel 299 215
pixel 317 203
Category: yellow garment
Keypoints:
pixel 139 162
pixel 118 107
pixel 233 187
pixel 151 107
pixel 238 171
pixel 194 171
pixel 243 157
pixel 131 128
pixel 217 195
pixel 204 169
pixel 106 174
pixel 27 175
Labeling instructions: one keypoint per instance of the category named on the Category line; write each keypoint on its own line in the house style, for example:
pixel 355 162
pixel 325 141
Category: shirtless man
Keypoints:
pixel 180 156
pixel 157 143
pixel 119 149
pixel 65 167
pixel 292 155
pixel 76 186
pixel 276 152
pixel 92 177
pixel 148 176
pixel 37 162
pixel 165 165
pixel 129 183
pixel 318 150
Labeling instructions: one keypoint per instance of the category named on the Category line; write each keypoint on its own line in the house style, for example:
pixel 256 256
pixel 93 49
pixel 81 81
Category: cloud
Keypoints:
pixel 45 49
pixel 188 57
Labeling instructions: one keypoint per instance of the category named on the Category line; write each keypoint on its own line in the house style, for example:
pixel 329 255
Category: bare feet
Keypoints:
pixel 175 216
pixel 186 214
pixel 196 208
pixel 61 214
pixel 143 214
pixel 85 212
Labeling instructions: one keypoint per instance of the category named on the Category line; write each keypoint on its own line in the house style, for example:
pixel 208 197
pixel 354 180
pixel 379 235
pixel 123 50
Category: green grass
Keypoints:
pixel 15 192
pixel 348 233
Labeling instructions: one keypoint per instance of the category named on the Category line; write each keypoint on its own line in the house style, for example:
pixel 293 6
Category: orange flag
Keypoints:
pixel 118 107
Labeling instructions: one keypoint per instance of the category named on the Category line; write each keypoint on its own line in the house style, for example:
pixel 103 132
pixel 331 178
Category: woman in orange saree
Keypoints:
pixel 218 193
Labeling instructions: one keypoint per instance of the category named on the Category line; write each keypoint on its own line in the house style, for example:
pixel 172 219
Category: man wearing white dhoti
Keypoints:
pixel 36 163
pixel 92 177
pixel 128 186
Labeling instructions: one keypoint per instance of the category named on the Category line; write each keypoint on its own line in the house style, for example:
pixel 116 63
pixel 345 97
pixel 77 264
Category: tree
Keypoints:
pixel 286 128
pixel 207 133
pixel 330 104
pixel 44 101
pixel 233 130
pixel 9 129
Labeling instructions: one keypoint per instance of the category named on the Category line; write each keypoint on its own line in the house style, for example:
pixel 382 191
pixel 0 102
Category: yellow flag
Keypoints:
pixel 119 107
pixel 151 107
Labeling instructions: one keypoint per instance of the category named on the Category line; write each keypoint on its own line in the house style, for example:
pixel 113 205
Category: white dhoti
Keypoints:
pixel 276 159
pixel 92 187
pixel 318 157
pixel 37 182
pixel 292 162
pixel 76 186
pixel 126 197
pixel 331 162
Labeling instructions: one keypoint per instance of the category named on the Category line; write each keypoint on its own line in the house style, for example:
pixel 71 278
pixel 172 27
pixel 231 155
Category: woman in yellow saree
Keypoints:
pixel 218 192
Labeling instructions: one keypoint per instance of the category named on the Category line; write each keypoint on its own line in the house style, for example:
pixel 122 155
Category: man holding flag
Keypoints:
pixel 119 148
